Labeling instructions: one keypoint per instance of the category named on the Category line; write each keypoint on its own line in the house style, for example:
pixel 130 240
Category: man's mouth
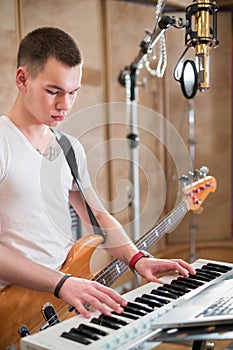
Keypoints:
pixel 58 118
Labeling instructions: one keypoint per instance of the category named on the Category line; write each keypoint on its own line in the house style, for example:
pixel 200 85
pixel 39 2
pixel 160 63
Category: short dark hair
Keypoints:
pixel 42 43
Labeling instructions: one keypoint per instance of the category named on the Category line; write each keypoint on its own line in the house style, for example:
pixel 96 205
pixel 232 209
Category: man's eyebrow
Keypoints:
pixel 54 86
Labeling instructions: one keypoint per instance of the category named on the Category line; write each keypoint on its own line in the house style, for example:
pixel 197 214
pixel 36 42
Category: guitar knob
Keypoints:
pixel 23 331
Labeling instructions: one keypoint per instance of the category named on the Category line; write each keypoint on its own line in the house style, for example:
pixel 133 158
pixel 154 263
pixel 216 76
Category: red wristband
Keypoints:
pixel 135 258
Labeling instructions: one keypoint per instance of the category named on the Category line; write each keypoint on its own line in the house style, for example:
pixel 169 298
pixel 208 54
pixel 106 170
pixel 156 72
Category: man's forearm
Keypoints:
pixel 16 269
pixel 117 243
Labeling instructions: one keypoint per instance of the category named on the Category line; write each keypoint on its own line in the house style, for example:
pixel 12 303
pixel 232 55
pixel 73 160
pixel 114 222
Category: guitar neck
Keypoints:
pixel 167 224
pixel 112 272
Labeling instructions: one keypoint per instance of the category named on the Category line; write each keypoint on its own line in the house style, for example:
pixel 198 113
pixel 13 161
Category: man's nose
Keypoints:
pixel 64 102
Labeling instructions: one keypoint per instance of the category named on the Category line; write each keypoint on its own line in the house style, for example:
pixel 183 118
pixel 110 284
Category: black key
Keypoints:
pixel 226 268
pixel 211 271
pixel 147 309
pixel 105 323
pixel 149 302
pixel 191 282
pixel 134 311
pixel 126 315
pixel 200 277
pixel 176 284
pixel 173 289
pixel 164 293
pixel 154 297
pixel 209 276
pixel 216 268
pixel 97 331
pixel 181 285
pixel 75 337
pixel 113 319
pixel 204 276
pixel 185 284
pixel 84 334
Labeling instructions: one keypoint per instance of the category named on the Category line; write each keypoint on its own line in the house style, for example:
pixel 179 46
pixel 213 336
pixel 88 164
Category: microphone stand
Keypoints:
pixel 192 143
pixel 128 78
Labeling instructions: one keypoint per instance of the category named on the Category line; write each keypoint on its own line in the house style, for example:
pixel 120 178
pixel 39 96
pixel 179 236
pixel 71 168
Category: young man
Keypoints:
pixel 36 184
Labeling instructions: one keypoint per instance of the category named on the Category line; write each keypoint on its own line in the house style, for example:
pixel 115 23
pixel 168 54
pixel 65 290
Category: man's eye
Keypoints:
pixel 72 92
pixel 51 92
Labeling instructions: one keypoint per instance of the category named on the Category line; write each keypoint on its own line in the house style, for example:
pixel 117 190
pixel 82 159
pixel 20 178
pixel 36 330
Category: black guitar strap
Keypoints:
pixel 68 151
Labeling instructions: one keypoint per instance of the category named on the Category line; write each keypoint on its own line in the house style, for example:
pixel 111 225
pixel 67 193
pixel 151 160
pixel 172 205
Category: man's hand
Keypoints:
pixel 148 267
pixel 77 292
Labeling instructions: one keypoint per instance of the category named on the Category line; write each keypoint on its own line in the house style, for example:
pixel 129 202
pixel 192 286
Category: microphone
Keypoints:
pixel 202 49
pixel 202 37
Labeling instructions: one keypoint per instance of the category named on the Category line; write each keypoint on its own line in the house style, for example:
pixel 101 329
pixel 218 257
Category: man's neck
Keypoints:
pixel 39 135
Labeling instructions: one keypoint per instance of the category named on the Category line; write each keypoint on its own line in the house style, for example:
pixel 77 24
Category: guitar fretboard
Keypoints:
pixel 117 268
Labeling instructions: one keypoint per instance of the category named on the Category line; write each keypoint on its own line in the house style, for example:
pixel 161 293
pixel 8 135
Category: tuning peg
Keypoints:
pixel 184 179
pixel 191 175
pixel 204 170
pixel 194 175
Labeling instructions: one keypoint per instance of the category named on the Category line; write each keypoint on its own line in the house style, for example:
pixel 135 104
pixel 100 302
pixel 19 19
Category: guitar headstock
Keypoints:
pixel 197 192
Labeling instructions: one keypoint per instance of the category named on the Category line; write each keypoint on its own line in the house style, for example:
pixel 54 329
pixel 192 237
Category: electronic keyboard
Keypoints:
pixel 142 318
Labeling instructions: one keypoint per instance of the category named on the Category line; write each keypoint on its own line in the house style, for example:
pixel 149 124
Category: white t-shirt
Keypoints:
pixel 34 208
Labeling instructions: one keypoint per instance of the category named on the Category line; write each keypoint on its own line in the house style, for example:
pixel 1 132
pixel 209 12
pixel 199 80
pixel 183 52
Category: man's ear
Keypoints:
pixel 21 77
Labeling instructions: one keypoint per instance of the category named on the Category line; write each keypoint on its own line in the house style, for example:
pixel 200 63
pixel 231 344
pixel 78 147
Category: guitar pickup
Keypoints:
pixel 50 314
